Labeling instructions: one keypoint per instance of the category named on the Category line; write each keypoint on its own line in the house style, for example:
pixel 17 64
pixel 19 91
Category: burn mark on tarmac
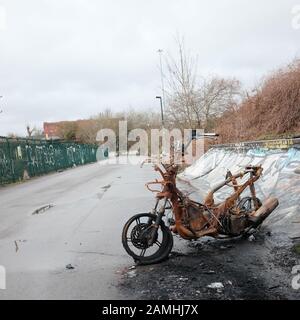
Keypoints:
pixel 246 270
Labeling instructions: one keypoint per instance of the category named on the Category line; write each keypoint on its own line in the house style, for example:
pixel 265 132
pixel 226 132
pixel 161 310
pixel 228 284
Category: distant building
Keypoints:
pixel 51 130
pixel 56 130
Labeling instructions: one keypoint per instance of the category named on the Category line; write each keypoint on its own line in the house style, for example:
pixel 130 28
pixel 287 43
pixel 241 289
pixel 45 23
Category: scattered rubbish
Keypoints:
pixel 43 209
pixel 131 274
pixel 132 267
pixel 216 285
pixel 251 238
pixel 210 272
pixel 226 247
pixel 69 266
pixel 274 287
pixel 183 279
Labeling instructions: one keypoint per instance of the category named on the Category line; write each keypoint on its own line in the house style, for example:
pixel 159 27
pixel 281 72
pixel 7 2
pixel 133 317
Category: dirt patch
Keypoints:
pixel 210 269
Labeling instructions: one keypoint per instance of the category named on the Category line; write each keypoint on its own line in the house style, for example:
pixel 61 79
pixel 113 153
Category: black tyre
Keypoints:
pixel 135 239
pixel 247 204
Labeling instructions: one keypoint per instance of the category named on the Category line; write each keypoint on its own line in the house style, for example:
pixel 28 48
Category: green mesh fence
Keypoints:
pixel 21 158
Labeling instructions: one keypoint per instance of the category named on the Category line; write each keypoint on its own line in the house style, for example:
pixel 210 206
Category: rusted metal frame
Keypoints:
pixel 229 203
pixel 180 202
pixel 253 195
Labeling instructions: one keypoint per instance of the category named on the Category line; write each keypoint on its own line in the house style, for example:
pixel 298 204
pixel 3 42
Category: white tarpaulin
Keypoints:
pixel 281 178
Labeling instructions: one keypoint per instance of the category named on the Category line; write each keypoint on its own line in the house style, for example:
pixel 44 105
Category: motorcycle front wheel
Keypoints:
pixel 136 236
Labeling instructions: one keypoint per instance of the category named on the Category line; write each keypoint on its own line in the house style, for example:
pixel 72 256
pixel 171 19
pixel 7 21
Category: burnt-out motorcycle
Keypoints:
pixel 148 238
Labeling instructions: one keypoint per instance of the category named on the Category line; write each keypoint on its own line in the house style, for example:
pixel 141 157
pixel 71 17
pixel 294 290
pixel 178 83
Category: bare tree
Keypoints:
pixel 86 130
pixel 217 95
pixel 38 133
pixel 182 93
pixel 12 135
pixel 29 131
pixel 192 103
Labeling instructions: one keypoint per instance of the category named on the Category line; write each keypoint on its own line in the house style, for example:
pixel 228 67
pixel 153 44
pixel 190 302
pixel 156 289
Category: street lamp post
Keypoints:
pixel 160 51
pixel 161 110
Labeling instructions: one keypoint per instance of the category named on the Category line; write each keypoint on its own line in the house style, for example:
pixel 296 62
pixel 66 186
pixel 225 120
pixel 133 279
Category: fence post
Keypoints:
pixel 11 160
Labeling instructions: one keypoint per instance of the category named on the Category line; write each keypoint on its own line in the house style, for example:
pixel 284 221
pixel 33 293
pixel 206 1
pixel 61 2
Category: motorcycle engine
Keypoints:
pixel 195 217
pixel 235 224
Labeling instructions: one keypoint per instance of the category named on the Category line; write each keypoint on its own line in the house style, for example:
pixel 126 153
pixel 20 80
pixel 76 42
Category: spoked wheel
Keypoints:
pixel 145 243
pixel 248 204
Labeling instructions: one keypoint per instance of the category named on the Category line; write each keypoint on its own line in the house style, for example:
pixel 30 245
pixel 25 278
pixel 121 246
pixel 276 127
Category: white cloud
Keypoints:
pixel 3 22
pixel 68 59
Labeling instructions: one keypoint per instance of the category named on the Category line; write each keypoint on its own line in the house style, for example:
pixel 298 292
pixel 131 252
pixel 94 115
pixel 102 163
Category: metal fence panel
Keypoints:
pixel 29 157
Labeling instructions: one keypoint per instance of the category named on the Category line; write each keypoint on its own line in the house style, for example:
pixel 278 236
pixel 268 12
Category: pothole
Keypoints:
pixel 42 209
pixel 104 189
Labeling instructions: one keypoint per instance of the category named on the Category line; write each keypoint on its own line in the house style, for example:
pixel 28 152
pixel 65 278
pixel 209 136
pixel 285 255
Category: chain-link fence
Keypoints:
pixel 23 158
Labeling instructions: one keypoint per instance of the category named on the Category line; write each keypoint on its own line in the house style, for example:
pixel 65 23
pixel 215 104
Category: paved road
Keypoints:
pixel 83 228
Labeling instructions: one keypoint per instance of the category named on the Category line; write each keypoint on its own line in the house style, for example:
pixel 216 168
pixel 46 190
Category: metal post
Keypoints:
pixel 161 110
pixel 160 51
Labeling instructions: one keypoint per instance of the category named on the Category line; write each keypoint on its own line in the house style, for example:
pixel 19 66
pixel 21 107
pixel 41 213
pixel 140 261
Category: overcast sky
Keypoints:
pixel 70 59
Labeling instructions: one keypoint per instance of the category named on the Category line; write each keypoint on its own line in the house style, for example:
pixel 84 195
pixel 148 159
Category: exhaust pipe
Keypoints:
pixel 264 211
